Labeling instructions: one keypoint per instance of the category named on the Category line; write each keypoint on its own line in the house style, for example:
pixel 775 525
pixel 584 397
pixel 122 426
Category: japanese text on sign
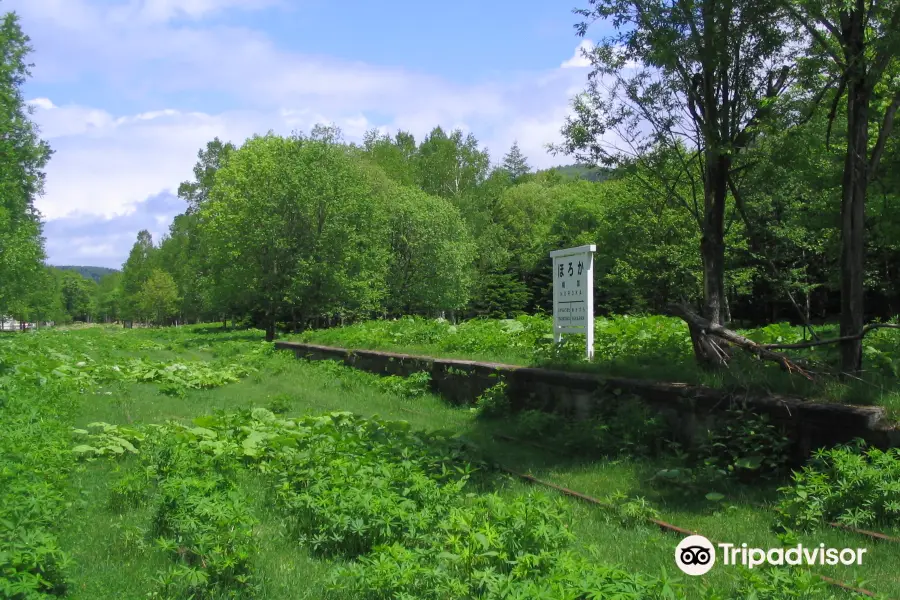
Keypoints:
pixel 573 310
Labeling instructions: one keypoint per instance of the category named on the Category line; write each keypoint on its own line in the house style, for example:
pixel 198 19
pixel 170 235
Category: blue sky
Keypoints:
pixel 127 91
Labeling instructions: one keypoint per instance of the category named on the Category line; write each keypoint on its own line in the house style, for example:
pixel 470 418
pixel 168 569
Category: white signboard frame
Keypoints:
pixel 573 293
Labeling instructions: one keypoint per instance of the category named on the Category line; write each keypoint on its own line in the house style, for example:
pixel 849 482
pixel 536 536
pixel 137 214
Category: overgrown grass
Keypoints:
pixel 115 555
pixel 655 348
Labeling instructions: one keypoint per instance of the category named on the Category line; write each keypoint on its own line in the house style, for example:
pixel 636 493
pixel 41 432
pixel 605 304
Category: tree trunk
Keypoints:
pixel 727 310
pixel 853 201
pixel 708 351
pixel 271 320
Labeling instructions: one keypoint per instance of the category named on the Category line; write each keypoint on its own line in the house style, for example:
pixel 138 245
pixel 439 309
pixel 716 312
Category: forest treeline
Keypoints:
pixel 743 161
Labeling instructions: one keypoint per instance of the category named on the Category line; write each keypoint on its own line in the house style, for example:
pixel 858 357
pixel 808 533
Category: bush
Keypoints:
pixel 850 484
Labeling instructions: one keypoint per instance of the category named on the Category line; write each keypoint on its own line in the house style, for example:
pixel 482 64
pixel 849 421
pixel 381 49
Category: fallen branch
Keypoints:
pixel 845 338
pixel 704 327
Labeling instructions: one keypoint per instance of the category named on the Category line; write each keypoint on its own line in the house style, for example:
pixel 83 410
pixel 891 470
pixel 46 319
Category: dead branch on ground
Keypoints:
pixel 707 329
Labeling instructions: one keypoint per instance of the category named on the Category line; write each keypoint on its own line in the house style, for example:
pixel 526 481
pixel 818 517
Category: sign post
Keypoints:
pixel 573 293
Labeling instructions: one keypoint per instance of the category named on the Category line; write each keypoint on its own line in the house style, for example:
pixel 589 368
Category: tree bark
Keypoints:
pixel 853 201
pixel 709 352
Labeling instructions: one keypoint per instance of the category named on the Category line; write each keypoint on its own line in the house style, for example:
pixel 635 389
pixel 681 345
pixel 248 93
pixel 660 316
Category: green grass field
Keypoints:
pixel 56 381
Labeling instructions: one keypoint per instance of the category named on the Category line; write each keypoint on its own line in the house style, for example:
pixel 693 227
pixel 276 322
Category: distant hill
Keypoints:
pixel 583 172
pixel 94 273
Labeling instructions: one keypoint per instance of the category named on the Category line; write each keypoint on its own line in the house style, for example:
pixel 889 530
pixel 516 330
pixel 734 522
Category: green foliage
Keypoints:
pixel 307 225
pixel 414 386
pixel 746 445
pixel 743 446
pixel 493 402
pixel 159 296
pixel 851 484
pixel 628 512
pixel 393 510
pixel 431 254
pixel 95 273
pixel 77 296
pixel 619 426
pixel 106 440
pixel 395 500
pixel 279 404
pixel 135 272
pixel 176 378
pixel 201 521
pixel 515 163
pixel 35 405
pixel 645 347
pixel 23 156
pixel 500 295
pixel 775 583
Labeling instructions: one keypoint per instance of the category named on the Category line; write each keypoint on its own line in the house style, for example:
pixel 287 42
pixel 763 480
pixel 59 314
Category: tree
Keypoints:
pixel 77 295
pixel 703 72
pixel 22 159
pixel 451 166
pixel 396 156
pixel 109 297
pixel 135 272
pixel 181 254
pixel 860 41
pixel 159 296
pixel 295 224
pixel 515 163
pixel 43 301
pixel 431 254
pixel 209 161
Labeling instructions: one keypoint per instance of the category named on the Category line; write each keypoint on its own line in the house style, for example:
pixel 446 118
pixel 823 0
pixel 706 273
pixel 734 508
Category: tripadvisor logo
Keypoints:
pixel 696 555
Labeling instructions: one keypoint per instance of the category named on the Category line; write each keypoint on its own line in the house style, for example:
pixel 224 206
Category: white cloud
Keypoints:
pixel 104 165
pixel 90 240
pixel 164 10
pixel 44 103
pixel 107 163
pixel 578 59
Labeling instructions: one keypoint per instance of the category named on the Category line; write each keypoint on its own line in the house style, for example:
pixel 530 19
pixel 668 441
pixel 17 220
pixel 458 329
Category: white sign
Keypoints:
pixel 573 293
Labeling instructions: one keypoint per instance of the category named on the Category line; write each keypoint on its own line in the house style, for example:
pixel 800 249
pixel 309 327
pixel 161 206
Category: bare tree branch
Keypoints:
pixel 817 35
pixel 832 115
pixel 836 340
pixel 887 125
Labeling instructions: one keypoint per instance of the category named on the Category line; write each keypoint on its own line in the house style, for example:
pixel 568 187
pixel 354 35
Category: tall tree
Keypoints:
pixel 515 163
pixel 109 297
pixel 135 272
pixel 293 224
pixel 396 156
pixel 182 255
pixel 23 156
pixel 209 160
pixel 159 297
pixel 451 166
pixel 43 301
pixel 431 254
pixel 703 72
pixel 78 294
pixel 860 41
